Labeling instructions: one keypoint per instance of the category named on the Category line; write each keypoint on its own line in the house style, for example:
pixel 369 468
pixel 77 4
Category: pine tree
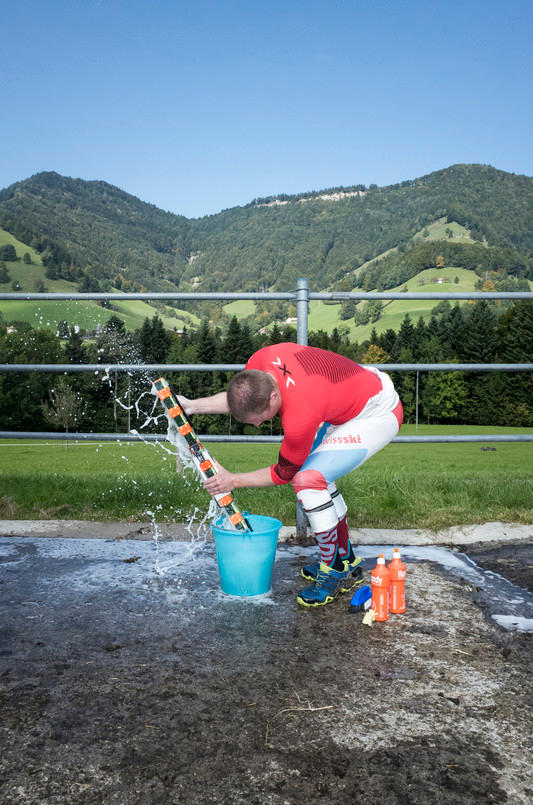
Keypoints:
pixel 406 335
pixel 274 337
pixel 143 337
pixel 480 346
pixel 232 348
pixel 153 341
pixel 515 333
pixel 114 324
pixel 207 344
pixel 456 330
pixel 160 341
pixel 247 345
pixel 420 337
pixel 480 340
pixel 74 349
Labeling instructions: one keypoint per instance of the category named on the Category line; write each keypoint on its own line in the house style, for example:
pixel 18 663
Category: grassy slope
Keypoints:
pixel 86 314
pixel 403 486
pixel 435 231
pixel 240 308
pixel 326 317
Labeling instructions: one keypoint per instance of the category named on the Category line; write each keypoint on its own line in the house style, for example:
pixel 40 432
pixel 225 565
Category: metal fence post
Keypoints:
pixel 416 407
pixel 302 312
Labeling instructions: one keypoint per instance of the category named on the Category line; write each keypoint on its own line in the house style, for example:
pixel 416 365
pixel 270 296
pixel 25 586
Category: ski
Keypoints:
pixel 201 458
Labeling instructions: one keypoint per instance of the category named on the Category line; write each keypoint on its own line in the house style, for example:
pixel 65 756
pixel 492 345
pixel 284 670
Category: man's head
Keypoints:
pixel 253 396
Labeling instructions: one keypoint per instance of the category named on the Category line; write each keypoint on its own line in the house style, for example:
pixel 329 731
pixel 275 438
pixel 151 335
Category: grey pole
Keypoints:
pixel 302 312
pixel 416 426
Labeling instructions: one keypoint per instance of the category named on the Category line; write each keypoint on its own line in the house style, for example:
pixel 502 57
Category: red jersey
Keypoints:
pixel 316 386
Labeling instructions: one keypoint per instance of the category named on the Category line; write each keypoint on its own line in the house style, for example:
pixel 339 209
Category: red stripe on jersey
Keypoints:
pixel 335 368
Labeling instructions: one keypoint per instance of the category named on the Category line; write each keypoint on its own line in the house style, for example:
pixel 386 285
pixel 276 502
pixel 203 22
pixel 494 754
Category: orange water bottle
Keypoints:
pixel 397 572
pixel 380 579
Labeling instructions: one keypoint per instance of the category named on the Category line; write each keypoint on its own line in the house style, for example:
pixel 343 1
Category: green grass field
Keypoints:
pixel 404 486
pixel 435 231
pixel 326 316
pixel 47 314
pixel 240 308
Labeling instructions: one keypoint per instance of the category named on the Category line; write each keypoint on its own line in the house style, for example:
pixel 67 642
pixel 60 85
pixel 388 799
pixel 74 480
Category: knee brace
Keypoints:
pixel 312 491
pixel 338 500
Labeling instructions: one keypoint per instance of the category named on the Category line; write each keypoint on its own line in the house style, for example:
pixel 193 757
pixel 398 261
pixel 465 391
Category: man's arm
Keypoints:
pixel 225 481
pixel 217 404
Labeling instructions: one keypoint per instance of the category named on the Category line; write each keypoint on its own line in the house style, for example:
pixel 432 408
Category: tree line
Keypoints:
pixel 482 332
pixel 100 237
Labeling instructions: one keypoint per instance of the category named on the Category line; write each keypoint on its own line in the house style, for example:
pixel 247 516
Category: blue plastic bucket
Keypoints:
pixel 245 560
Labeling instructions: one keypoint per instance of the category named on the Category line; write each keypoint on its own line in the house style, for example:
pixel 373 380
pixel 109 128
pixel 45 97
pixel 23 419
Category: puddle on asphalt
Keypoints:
pixel 186 573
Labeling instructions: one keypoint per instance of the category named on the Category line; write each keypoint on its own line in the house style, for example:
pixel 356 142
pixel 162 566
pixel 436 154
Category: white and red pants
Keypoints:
pixel 339 449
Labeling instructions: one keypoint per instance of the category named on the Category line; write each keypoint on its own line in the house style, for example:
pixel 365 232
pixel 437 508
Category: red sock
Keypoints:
pixel 329 546
pixel 343 537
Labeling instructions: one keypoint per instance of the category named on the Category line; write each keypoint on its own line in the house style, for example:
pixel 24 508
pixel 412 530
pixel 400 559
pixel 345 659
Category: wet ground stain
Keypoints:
pixel 121 684
pixel 513 561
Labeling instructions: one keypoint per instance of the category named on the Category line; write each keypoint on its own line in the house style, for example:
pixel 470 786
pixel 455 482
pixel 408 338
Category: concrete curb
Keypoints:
pixel 86 529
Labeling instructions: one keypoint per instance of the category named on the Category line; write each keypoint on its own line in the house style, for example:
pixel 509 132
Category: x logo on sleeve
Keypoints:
pixel 286 372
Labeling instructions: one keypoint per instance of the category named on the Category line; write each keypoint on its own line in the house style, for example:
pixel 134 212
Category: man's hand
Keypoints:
pixel 185 403
pixel 223 481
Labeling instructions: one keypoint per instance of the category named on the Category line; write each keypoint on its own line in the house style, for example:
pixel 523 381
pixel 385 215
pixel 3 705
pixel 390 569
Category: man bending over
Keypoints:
pixel 335 415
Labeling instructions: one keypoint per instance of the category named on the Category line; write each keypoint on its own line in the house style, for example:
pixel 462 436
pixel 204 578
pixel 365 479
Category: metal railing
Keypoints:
pixel 301 297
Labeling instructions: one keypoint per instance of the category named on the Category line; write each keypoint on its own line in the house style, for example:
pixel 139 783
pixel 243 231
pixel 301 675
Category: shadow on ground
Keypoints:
pixel 127 677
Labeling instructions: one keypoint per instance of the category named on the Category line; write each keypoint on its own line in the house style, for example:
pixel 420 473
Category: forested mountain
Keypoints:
pixel 103 237
pixel 94 230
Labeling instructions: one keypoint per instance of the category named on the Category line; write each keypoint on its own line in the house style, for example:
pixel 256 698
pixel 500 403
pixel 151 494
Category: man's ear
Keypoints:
pixel 275 397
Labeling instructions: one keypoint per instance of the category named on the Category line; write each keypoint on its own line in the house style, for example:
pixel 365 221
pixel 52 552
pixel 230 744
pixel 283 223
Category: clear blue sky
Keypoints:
pixel 204 105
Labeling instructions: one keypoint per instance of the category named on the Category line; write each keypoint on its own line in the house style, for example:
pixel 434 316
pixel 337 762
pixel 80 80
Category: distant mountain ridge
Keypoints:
pixel 102 237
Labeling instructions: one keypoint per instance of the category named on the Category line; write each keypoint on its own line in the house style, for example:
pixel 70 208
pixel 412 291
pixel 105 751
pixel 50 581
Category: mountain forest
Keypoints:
pixel 468 225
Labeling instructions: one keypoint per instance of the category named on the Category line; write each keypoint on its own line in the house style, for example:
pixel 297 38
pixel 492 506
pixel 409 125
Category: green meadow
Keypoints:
pixel 88 315
pixel 404 486
pixel 434 231
pixel 326 316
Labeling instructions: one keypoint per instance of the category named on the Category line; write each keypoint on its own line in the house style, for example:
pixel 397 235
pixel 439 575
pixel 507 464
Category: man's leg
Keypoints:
pixel 331 576
pixel 341 449
pixel 312 491
pixel 345 550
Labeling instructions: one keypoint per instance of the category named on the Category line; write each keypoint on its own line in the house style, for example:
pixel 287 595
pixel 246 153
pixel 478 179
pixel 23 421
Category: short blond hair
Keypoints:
pixel 249 393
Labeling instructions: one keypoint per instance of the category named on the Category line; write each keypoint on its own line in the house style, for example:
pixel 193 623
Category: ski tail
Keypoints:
pixel 201 457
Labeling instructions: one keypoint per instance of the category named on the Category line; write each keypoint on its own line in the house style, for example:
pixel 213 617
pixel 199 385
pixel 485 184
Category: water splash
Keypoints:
pixel 197 524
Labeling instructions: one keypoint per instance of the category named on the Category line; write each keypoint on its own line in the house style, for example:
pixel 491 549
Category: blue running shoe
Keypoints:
pixel 328 584
pixel 310 572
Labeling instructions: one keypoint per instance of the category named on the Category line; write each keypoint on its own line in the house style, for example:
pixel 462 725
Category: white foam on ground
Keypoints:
pixel 417 553
pixel 265 599
pixel 514 623
pixel 105 563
